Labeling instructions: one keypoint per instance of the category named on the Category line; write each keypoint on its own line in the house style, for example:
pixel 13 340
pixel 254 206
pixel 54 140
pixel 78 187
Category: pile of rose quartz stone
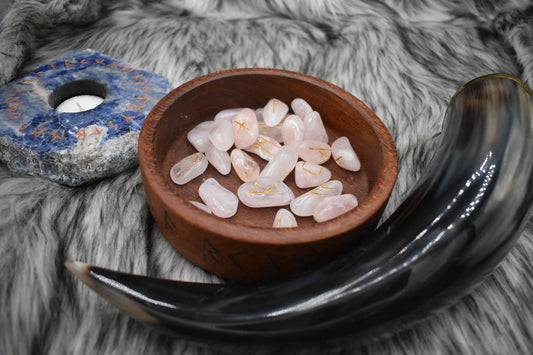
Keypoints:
pixel 261 132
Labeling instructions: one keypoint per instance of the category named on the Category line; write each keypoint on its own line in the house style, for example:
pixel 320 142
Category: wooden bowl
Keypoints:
pixel 245 247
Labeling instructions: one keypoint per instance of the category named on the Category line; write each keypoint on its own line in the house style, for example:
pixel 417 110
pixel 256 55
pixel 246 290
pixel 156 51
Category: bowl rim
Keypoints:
pixel 374 202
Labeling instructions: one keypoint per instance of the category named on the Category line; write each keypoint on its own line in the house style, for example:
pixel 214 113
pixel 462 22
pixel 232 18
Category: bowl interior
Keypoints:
pixel 342 114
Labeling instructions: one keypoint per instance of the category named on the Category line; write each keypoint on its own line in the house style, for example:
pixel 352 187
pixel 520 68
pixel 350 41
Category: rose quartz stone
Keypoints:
pixel 188 168
pixel 333 206
pixel 301 107
pixel 259 114
pixel 274 132
pixel 199 136
pixel 314 127
pixel 221 134
pixel 310 175
pixel 227 114
pixel 245 166
pixel 221 201
pixel 344 155
pixel 282 163
pixel 314 151
pixel 265 192
pixel 274 111
pixel 293 130
pixel 201 206
pixel 304 205
pixel 265 147
pixel 220 159
pixel 245 128
pixel 284 219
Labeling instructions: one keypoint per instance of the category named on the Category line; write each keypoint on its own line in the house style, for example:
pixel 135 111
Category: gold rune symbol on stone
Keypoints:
pixel 315 190
pixel 259 145
pixel 280 220
pixel 241 126
pixel 264 128
pixel 195 157
pixel 325 152
pixel 338 160
pixel 312 172
pixel 264 191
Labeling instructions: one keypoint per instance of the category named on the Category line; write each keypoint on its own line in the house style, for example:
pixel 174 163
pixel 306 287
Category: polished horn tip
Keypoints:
pixel 79 269
pixel 91 276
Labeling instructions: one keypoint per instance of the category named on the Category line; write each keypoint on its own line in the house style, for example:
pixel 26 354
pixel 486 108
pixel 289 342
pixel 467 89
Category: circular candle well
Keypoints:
pixel 77 96
pixel 245 247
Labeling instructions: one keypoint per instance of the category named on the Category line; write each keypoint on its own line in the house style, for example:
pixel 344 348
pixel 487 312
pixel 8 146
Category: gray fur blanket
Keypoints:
pixel 404 59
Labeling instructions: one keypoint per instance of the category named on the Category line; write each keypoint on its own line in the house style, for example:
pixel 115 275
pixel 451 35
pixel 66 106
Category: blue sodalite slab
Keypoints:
pixel 76 148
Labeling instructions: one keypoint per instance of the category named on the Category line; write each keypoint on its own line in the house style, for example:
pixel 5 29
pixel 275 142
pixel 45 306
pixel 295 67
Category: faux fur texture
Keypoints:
pixel 404 59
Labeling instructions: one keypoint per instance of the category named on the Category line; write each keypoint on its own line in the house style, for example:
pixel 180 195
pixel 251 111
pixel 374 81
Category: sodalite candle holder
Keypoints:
pixel 76 148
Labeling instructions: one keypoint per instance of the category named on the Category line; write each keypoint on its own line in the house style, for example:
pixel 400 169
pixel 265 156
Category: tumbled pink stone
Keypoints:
pixel 274 111
pixel 314 127
pixel 273 132
pixel 201 206
pixel 344 155
pixel 301 107
pixel 221 134
pixel 265 147
pixel 304 205
pixel 265 192
pixel 245 128
pixel 310 175
pixel 333 206
pixel 259 114
pixel 314 151
pixel 245 166
pixel 188 168
pixel 284 219
pixel 199 136
pixel 221 201
pixel 220 159
pixel 293 130
pixel 282 163
pixel 227 114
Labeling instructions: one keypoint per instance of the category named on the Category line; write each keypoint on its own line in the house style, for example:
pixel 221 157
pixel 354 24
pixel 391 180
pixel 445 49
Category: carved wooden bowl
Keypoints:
pixel 245 247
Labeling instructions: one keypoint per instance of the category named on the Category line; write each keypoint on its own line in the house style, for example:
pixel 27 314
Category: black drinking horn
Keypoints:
pixel 467 211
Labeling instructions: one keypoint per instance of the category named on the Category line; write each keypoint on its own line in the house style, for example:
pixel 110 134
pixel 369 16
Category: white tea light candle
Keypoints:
pixel 79 103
